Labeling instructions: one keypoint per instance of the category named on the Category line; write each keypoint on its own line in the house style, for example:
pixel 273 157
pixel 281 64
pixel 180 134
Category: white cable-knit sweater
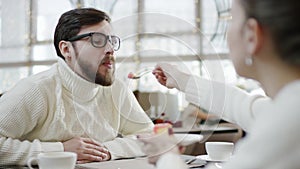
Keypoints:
pixel 44 110
pixel 273 139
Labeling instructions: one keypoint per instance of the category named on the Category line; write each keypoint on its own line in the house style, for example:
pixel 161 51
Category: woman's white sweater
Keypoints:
pixel 273 139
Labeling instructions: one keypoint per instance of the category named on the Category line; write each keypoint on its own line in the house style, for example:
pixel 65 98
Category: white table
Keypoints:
pixel 137 163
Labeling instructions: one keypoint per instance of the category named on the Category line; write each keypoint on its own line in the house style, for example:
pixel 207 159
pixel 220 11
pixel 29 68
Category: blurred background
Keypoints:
pixel 190 33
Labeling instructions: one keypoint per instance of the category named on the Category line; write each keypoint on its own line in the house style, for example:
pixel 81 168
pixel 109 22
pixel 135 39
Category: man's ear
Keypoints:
pixel 65 48
pixel 253 36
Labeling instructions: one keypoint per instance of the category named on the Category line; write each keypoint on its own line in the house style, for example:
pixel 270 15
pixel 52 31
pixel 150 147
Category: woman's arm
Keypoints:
pixel 230 103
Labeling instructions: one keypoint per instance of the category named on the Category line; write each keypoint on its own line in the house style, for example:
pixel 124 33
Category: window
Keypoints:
pixel 183 32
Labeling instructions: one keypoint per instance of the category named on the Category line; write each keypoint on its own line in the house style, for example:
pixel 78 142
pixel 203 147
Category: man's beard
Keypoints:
pixel 94 75
pixel 107 79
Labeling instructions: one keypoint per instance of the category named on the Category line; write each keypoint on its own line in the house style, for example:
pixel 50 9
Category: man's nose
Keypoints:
pixel 109 49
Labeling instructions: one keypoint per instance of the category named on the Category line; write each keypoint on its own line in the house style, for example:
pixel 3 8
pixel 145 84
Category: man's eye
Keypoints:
pixel 98 40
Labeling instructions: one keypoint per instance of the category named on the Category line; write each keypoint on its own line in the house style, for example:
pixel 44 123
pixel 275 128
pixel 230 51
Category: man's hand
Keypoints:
pixel 87 150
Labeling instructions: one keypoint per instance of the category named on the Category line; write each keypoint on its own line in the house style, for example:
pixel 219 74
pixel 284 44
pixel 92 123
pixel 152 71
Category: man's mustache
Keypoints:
pixel 108 58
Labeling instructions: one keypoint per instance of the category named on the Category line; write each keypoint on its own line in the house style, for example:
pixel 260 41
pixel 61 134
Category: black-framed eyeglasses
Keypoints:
pixel 99 40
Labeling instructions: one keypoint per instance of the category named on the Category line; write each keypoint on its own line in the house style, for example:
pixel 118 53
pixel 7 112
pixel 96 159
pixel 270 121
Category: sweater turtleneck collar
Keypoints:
pixel 77 86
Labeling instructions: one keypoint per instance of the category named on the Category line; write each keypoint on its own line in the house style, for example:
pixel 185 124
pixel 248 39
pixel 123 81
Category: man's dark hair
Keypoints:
pixel 71 22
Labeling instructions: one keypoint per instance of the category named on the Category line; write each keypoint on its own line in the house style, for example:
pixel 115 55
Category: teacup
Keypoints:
pixel 51 160
pixel 219 151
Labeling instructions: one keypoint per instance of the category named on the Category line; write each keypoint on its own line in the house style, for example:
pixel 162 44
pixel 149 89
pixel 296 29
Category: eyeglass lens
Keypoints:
pixel 99 40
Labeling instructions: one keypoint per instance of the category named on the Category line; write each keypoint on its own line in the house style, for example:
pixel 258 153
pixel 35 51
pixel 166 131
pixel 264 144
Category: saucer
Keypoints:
pixel 187 139
pixel 207 158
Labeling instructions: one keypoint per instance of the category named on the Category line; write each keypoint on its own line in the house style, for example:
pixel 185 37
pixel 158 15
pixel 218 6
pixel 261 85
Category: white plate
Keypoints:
pixel 207 158
pixel 187 139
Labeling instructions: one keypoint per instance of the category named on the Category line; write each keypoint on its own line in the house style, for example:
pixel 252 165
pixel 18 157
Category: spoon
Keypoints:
pixel 138 75
pixel 191 160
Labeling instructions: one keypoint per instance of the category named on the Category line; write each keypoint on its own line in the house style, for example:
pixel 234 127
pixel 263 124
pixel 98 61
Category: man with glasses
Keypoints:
pixel 77 105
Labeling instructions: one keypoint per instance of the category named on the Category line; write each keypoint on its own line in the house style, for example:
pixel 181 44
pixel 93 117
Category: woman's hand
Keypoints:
pixel 156 145
pixel 170 76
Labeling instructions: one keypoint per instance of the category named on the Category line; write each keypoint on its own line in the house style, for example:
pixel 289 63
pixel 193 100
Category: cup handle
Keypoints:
pixel 30 160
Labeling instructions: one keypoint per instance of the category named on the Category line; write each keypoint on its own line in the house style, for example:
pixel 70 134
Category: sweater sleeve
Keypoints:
pixel 133 121
pixel 230 103
pixel 21 109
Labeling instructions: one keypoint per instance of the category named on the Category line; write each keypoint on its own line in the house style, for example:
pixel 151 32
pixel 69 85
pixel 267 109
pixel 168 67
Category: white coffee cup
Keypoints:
pixel 219 151
pixel 51 160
